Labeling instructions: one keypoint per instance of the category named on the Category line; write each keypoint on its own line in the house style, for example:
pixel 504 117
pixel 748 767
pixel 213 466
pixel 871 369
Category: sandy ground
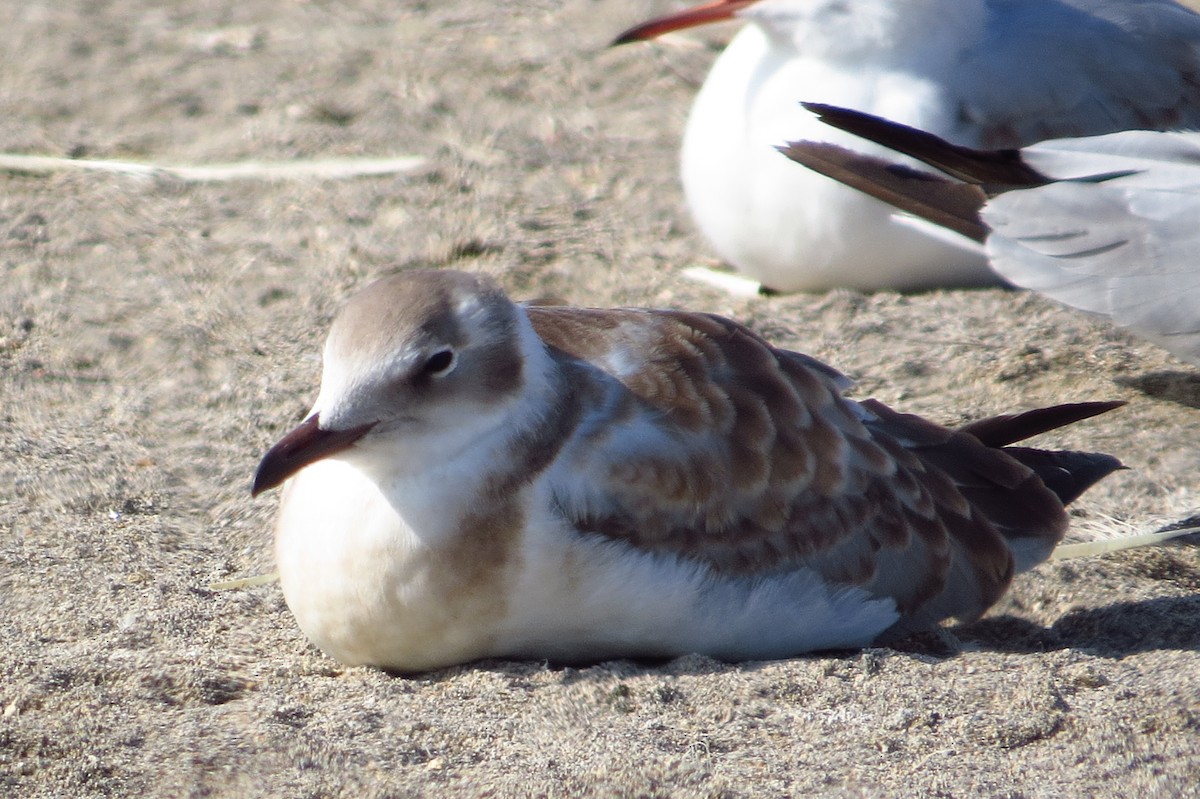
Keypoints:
pixel 157 336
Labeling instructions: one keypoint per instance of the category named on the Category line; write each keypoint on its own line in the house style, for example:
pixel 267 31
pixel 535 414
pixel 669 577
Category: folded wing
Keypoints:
pixel 719 448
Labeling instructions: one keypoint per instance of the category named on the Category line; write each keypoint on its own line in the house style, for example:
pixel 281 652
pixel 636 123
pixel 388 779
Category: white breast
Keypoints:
pixel 362 586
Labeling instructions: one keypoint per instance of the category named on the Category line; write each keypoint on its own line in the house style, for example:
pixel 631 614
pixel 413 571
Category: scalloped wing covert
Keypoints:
pixel 713 445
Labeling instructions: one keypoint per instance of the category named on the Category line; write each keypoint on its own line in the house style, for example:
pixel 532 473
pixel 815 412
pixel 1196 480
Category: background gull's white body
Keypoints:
pixel 787 228
pixel 980 73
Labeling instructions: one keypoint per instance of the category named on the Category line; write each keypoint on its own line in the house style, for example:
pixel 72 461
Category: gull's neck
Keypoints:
pixel 875 29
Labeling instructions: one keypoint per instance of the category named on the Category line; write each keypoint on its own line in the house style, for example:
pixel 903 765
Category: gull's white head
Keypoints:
pixel 419 354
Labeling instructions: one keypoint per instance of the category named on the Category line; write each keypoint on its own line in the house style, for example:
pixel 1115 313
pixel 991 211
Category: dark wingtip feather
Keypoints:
pixel 1000 431
pixel 944 202
pixel 996 169
pixel 1068 474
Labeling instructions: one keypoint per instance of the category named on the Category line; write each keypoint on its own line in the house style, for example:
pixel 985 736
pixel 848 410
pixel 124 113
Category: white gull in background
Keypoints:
pixel 979 73
pixel 482 478
pixel 1107 224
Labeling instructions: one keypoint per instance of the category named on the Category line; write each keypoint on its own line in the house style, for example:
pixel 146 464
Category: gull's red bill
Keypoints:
pixel 689 18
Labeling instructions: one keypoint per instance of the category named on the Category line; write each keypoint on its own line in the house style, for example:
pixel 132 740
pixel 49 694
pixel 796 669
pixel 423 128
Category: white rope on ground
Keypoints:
pixel 326 169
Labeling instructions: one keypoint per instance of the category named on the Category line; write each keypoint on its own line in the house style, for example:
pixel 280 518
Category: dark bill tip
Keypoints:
pixel 308 443
pixel 638 33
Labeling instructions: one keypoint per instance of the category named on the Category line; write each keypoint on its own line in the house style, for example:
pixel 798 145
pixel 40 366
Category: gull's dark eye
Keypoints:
pixel 440 363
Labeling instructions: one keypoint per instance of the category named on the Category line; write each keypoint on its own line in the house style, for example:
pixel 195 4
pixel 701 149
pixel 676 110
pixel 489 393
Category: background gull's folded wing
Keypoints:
pixel 1106 224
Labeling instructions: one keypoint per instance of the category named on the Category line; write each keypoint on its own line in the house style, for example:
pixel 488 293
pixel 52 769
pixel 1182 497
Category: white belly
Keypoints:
pixel 367 590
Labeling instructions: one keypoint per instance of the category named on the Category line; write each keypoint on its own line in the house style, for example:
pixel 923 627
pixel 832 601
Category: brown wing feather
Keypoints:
pixel 992 168
pixel 749 459
pixel 1000 431
pixel 953 205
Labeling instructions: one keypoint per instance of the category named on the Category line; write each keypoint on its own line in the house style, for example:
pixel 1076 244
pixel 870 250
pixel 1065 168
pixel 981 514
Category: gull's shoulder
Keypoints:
pixel 1078 68
pixel 637 344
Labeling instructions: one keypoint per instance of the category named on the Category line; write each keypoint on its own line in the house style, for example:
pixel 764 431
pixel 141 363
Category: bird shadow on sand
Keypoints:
pixel 1114 631
pixel 1180 387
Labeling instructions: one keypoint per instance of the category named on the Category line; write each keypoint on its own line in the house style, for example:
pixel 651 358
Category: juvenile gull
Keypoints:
pixel 980 73
pixel 482 478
